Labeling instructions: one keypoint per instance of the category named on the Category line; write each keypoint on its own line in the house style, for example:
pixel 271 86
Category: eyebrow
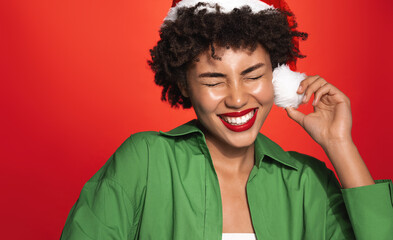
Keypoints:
pixel 252 68
pixel 244 72
pixel 211 74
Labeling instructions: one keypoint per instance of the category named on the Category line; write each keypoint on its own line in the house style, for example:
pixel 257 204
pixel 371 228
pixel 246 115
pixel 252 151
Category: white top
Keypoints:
pixel 238 236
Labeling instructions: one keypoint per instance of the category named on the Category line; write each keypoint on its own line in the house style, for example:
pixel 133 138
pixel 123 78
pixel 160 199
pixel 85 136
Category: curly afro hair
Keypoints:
pixel 195 31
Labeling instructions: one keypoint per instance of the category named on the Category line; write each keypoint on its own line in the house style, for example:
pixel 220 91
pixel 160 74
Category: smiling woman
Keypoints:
pixel 218 177
pixel 231 96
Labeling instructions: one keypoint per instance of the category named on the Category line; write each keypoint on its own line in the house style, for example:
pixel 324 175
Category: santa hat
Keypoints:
pixel 227 5
pixel 285 81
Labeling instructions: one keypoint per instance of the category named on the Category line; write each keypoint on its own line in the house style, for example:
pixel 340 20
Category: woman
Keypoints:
pixel 217 177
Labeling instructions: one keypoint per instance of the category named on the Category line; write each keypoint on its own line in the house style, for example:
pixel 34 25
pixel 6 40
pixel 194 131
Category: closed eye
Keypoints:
pixel 211 84
pixel 255 78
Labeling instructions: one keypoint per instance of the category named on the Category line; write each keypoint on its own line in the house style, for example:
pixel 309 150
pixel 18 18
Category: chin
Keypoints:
pixel 243 140
pixel 232 139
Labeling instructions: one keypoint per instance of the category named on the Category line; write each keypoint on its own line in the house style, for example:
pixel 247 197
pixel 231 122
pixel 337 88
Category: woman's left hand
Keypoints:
pixel 331 121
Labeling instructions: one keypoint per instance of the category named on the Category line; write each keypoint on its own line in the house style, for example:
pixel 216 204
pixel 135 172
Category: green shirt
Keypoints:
pixel 163 186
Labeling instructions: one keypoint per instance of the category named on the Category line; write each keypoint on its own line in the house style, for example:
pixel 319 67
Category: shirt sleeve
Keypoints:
pixel 338 225
pixel 370 209
pixel 363 212
pixel 107 207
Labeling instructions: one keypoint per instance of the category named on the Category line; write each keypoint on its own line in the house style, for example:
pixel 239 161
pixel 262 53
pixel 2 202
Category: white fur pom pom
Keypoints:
pixel 285 84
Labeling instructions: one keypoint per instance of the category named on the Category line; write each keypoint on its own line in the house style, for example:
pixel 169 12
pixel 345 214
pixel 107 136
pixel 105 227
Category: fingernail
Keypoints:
pixel 313 102
pixel 300 88
pixel 304 98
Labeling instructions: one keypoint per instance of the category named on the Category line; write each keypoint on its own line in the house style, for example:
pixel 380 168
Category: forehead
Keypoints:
pixel 233 57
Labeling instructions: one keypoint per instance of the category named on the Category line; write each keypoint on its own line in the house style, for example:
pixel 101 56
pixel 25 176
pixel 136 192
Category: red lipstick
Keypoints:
pixel 237 114
pixel 243 127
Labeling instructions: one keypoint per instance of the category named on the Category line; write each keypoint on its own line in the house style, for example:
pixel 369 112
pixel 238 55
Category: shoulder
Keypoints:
pixel 135 148
pixel 131 158
pixel 302 160
pixel 312 171
pixel 306 162
pixel 138 145
pixel 140 139
pixel 303 163
pixel 129 162
pixel 308 167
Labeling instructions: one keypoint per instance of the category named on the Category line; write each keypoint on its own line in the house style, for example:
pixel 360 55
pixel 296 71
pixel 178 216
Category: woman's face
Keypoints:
pixel 231 96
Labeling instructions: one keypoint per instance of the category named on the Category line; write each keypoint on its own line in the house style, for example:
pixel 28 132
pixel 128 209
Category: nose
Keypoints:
pixel 236 97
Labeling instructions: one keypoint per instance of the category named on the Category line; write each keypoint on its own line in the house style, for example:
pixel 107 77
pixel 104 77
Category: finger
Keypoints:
pixel 295 115
pixel 307 81
pixel 325 89
pixel 313 87
pixel 330 90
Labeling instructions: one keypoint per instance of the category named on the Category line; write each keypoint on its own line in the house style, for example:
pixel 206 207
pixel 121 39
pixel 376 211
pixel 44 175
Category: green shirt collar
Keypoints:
pixel 263 145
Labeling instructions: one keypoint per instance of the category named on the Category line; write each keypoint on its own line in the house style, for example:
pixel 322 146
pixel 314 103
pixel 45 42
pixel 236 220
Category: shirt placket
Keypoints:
pixel 255 200
pixel 213 204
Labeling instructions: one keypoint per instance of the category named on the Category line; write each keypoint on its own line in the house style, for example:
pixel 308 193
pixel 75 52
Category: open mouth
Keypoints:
pixel 239 121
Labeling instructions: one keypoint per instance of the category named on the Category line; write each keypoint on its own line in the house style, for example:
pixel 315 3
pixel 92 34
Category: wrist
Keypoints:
pixel 348 164
pixel 338 144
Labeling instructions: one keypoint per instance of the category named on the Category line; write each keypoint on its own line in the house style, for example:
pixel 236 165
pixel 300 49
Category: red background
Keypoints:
pixel 75 84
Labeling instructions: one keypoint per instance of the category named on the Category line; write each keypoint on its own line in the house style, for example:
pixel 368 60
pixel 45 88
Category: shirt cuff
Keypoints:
pixel 370 209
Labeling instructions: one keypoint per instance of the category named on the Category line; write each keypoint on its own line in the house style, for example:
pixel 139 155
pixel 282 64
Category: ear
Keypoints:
pixel 285 84
pixel 183 89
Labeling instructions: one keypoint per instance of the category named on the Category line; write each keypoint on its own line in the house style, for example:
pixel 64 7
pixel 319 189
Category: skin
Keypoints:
pixel 228 90
pixel 220 86
pixel 330 126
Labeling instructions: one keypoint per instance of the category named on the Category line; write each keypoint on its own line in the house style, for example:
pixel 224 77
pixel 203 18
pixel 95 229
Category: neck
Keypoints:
pixel 228 158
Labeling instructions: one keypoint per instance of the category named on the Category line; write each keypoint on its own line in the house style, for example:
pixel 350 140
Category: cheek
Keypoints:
pixel 207 100
pixel 264 92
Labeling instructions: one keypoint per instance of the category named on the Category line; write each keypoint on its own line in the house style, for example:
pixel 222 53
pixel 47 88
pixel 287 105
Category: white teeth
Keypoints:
pixel 239 120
